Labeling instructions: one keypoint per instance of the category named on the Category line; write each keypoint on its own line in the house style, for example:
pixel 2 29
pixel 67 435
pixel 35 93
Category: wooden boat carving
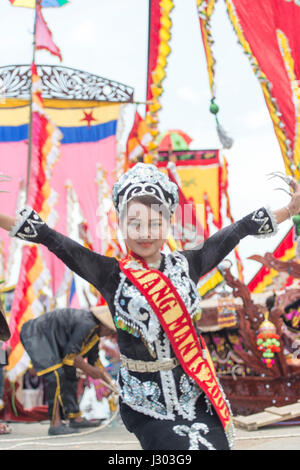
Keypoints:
pixel 249 385
pixel 269 260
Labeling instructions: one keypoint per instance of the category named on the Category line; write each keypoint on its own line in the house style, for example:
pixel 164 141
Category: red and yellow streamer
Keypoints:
pixel 159 49
pixel 34 274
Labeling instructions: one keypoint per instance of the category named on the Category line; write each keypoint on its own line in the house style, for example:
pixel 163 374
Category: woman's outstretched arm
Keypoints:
pixel 260 223
pixel 7 222
pixel 91 266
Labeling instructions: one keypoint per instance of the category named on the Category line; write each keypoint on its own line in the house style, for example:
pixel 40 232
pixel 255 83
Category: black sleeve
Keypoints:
pixel 93 355
pixel 93 267
pixel 203 259
pixel 80 335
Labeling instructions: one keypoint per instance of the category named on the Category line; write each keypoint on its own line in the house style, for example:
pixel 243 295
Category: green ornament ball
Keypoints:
pixel 214 108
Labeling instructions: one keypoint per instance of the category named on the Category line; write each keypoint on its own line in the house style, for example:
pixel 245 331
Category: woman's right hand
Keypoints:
pixel 6 222
pixel 104 376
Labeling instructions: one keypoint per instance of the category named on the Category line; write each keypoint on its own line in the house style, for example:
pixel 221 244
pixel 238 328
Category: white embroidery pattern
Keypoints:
pixel 266 219
pixel 194 434
pixel 138 312
pixel 142 396
pixel 133 309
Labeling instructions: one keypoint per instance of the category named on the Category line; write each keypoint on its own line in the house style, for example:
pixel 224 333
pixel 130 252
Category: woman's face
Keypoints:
pixel 144 229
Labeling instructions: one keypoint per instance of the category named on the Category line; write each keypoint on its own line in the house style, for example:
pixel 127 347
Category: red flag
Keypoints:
pixel 269 33
pixel 138 139
pixel 43 35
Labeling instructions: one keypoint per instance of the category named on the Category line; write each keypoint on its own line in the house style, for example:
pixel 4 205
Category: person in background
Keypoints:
pixel 2 363
pixel 58 342
pixel 4 336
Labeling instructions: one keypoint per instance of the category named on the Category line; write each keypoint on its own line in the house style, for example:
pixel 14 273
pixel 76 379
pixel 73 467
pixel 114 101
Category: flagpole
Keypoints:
pixel 148 53
pixel 30 105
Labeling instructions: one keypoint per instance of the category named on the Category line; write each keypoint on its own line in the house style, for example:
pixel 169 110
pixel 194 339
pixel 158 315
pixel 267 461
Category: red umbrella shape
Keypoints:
pixel 174 139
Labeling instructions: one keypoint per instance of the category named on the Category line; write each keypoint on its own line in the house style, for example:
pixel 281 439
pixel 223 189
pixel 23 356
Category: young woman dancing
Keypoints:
pixel 170 396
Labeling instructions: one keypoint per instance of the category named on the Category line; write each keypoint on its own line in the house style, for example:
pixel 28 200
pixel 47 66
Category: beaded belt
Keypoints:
pixel 145 366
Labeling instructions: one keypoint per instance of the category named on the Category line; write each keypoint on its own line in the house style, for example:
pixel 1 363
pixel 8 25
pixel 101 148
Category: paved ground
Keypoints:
pixel 114 437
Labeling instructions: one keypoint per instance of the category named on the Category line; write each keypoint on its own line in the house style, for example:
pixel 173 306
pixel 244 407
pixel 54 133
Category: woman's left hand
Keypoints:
pixel 294 204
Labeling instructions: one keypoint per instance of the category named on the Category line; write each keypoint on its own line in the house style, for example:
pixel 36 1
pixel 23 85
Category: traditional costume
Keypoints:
pixel 170 396
pixel 52 341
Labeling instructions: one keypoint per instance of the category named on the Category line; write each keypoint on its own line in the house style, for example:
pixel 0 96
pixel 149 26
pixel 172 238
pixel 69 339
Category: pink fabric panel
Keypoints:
pixel 78 163
pixel 13 162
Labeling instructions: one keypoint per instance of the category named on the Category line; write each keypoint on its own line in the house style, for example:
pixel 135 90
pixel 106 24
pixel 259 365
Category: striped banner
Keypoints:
pixel 158 50
pixel 34 275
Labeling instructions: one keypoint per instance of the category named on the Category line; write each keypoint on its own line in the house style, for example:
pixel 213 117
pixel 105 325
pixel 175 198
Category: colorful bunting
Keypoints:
pixel 26 306
pixel 159 37
pixel 34 274
pixel 205 11
pixel 13 249
pixel 137 141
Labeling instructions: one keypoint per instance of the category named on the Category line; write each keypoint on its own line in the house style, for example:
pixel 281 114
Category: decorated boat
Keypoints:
pixel 252 346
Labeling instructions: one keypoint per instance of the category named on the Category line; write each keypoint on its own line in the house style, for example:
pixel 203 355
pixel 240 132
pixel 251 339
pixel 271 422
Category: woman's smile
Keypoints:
pixel 145 245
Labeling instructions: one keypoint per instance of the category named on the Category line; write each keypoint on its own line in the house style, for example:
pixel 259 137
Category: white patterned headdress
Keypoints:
pixel 145 179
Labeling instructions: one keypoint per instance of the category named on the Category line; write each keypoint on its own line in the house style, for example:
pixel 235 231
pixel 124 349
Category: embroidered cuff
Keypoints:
pixel 27 225
pixel 266 222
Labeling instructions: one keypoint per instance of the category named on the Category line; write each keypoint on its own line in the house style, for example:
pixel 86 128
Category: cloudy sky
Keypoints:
pixel 109 38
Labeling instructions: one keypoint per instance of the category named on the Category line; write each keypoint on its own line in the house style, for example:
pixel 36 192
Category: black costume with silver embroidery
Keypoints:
pixel 165 409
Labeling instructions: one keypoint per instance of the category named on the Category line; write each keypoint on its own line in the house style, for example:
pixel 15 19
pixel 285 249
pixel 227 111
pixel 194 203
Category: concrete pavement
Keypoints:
pixel 114 437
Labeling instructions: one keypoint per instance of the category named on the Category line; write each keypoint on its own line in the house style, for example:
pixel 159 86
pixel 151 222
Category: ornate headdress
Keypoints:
pixel 145 179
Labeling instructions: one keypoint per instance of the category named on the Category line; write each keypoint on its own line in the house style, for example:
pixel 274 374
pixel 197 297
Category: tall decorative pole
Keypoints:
pixel 30 106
